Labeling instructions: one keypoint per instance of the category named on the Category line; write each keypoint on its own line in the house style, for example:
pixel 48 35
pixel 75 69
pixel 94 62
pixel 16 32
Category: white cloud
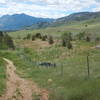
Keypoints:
pixel 47 8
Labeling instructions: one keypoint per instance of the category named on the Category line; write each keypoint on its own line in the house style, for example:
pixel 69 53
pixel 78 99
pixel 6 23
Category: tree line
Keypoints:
pixel 6 42
pixel 66 38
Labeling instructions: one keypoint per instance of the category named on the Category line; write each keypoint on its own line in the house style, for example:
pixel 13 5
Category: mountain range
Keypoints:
pixel 20 21
pixel 23 21
pixel 76 17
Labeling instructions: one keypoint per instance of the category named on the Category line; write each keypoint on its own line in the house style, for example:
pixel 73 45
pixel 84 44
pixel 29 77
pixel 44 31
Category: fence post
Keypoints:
pixel 62 70
pixel 88 66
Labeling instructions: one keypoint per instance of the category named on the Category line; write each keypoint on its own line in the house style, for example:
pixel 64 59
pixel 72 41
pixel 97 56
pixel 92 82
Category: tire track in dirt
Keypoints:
pixel 19 88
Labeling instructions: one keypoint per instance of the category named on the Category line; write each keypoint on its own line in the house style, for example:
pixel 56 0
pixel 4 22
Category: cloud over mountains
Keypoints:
pixel 48 8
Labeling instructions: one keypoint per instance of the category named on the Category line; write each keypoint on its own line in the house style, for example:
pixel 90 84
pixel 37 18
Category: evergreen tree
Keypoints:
pixel 88 39
pixel 9 42
pixel 66 40
pixel 28 36
pixel 38 35
pixel 50 40
pixel 44 38
pixel 69 45
pixel 33 37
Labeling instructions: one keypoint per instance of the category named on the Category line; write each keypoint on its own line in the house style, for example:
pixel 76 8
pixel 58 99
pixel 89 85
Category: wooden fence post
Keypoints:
pixel 88 66
pixel 62 70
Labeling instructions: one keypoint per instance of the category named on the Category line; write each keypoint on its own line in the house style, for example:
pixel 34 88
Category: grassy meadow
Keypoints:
pixel 93 27
pixel 69 80
pixel 2 76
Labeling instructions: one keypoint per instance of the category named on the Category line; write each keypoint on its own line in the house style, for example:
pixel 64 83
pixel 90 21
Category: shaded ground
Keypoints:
pixel 19 88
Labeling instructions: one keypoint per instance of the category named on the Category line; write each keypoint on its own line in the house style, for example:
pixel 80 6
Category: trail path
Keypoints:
pixel 19 88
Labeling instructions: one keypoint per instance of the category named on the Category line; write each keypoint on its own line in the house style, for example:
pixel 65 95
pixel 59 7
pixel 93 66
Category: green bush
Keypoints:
pixel 6 41
pixel 44 37
pixel 33 37
pixel 50 40
pixel 66 40
pixel 38 35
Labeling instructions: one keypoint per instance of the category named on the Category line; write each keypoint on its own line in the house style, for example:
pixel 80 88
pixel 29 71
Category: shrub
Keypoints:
pixel 81 36
pixel 9 42
pixel 88 39
pixel 33 37
pixel 67 36
pixel 66 40
pixel 6 41
pixel 97 39
pixel 38 35
pixel 1 34
pixel 69 45
pixel 64 43
pixel 50 40
pixel 44 38
pixel 28 36
pixel 86 25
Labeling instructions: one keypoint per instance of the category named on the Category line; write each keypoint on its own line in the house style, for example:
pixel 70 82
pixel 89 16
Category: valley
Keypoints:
pixel 53 63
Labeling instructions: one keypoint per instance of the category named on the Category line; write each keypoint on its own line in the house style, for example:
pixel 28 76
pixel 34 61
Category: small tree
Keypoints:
pixel 50 40
pixel 66 38
pixel 44 38
pixel 9 42
pixel 69 45
pixel 38 35
pixel 1 34
pixel 64 43
pixel 33 37
pixel 28 36
pixel 88 39
pixel 81 36
pixel 97 39
pixel 86 25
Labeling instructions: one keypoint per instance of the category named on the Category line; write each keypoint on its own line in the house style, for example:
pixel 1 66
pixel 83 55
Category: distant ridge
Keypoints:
pixel 23 21
pixel 76 17
pixel 20 21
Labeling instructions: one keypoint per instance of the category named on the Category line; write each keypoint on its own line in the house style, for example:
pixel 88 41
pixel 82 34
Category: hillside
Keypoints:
pixel 91 26
pixel 76 17
pixel 52 63
pixel 23 21
pixel 19 21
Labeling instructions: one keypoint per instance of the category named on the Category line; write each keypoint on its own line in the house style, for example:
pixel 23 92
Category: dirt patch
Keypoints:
pixel 37 44
pixel 19 88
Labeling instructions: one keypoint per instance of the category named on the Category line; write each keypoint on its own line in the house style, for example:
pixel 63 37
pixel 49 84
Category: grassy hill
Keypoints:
pixel 69 80
pixel 2 76
pixel 90 26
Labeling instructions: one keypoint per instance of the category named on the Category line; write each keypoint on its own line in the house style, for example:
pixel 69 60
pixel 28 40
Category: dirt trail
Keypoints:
pixel 19 88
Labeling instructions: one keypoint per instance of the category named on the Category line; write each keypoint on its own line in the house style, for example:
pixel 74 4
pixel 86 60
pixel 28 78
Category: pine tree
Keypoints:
pixel 9 42
pixel 33 37
pixel 50 40
pixel 69 45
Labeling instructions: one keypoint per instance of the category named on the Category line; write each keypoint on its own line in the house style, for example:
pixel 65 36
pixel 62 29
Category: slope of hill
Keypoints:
pixel 23 21
pixel 19 21
pixel 78 17
pixel 89 26
pixel 74 18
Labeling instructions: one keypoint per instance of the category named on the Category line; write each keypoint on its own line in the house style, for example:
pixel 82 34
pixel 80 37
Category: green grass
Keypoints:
pixel 74 27
pixel 2 77
pixel 74 84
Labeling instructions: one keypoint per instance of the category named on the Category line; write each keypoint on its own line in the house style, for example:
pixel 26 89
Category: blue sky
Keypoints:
pixel 48 8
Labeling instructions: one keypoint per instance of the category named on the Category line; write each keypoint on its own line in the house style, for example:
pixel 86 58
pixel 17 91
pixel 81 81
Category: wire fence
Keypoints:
pixel 91 64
